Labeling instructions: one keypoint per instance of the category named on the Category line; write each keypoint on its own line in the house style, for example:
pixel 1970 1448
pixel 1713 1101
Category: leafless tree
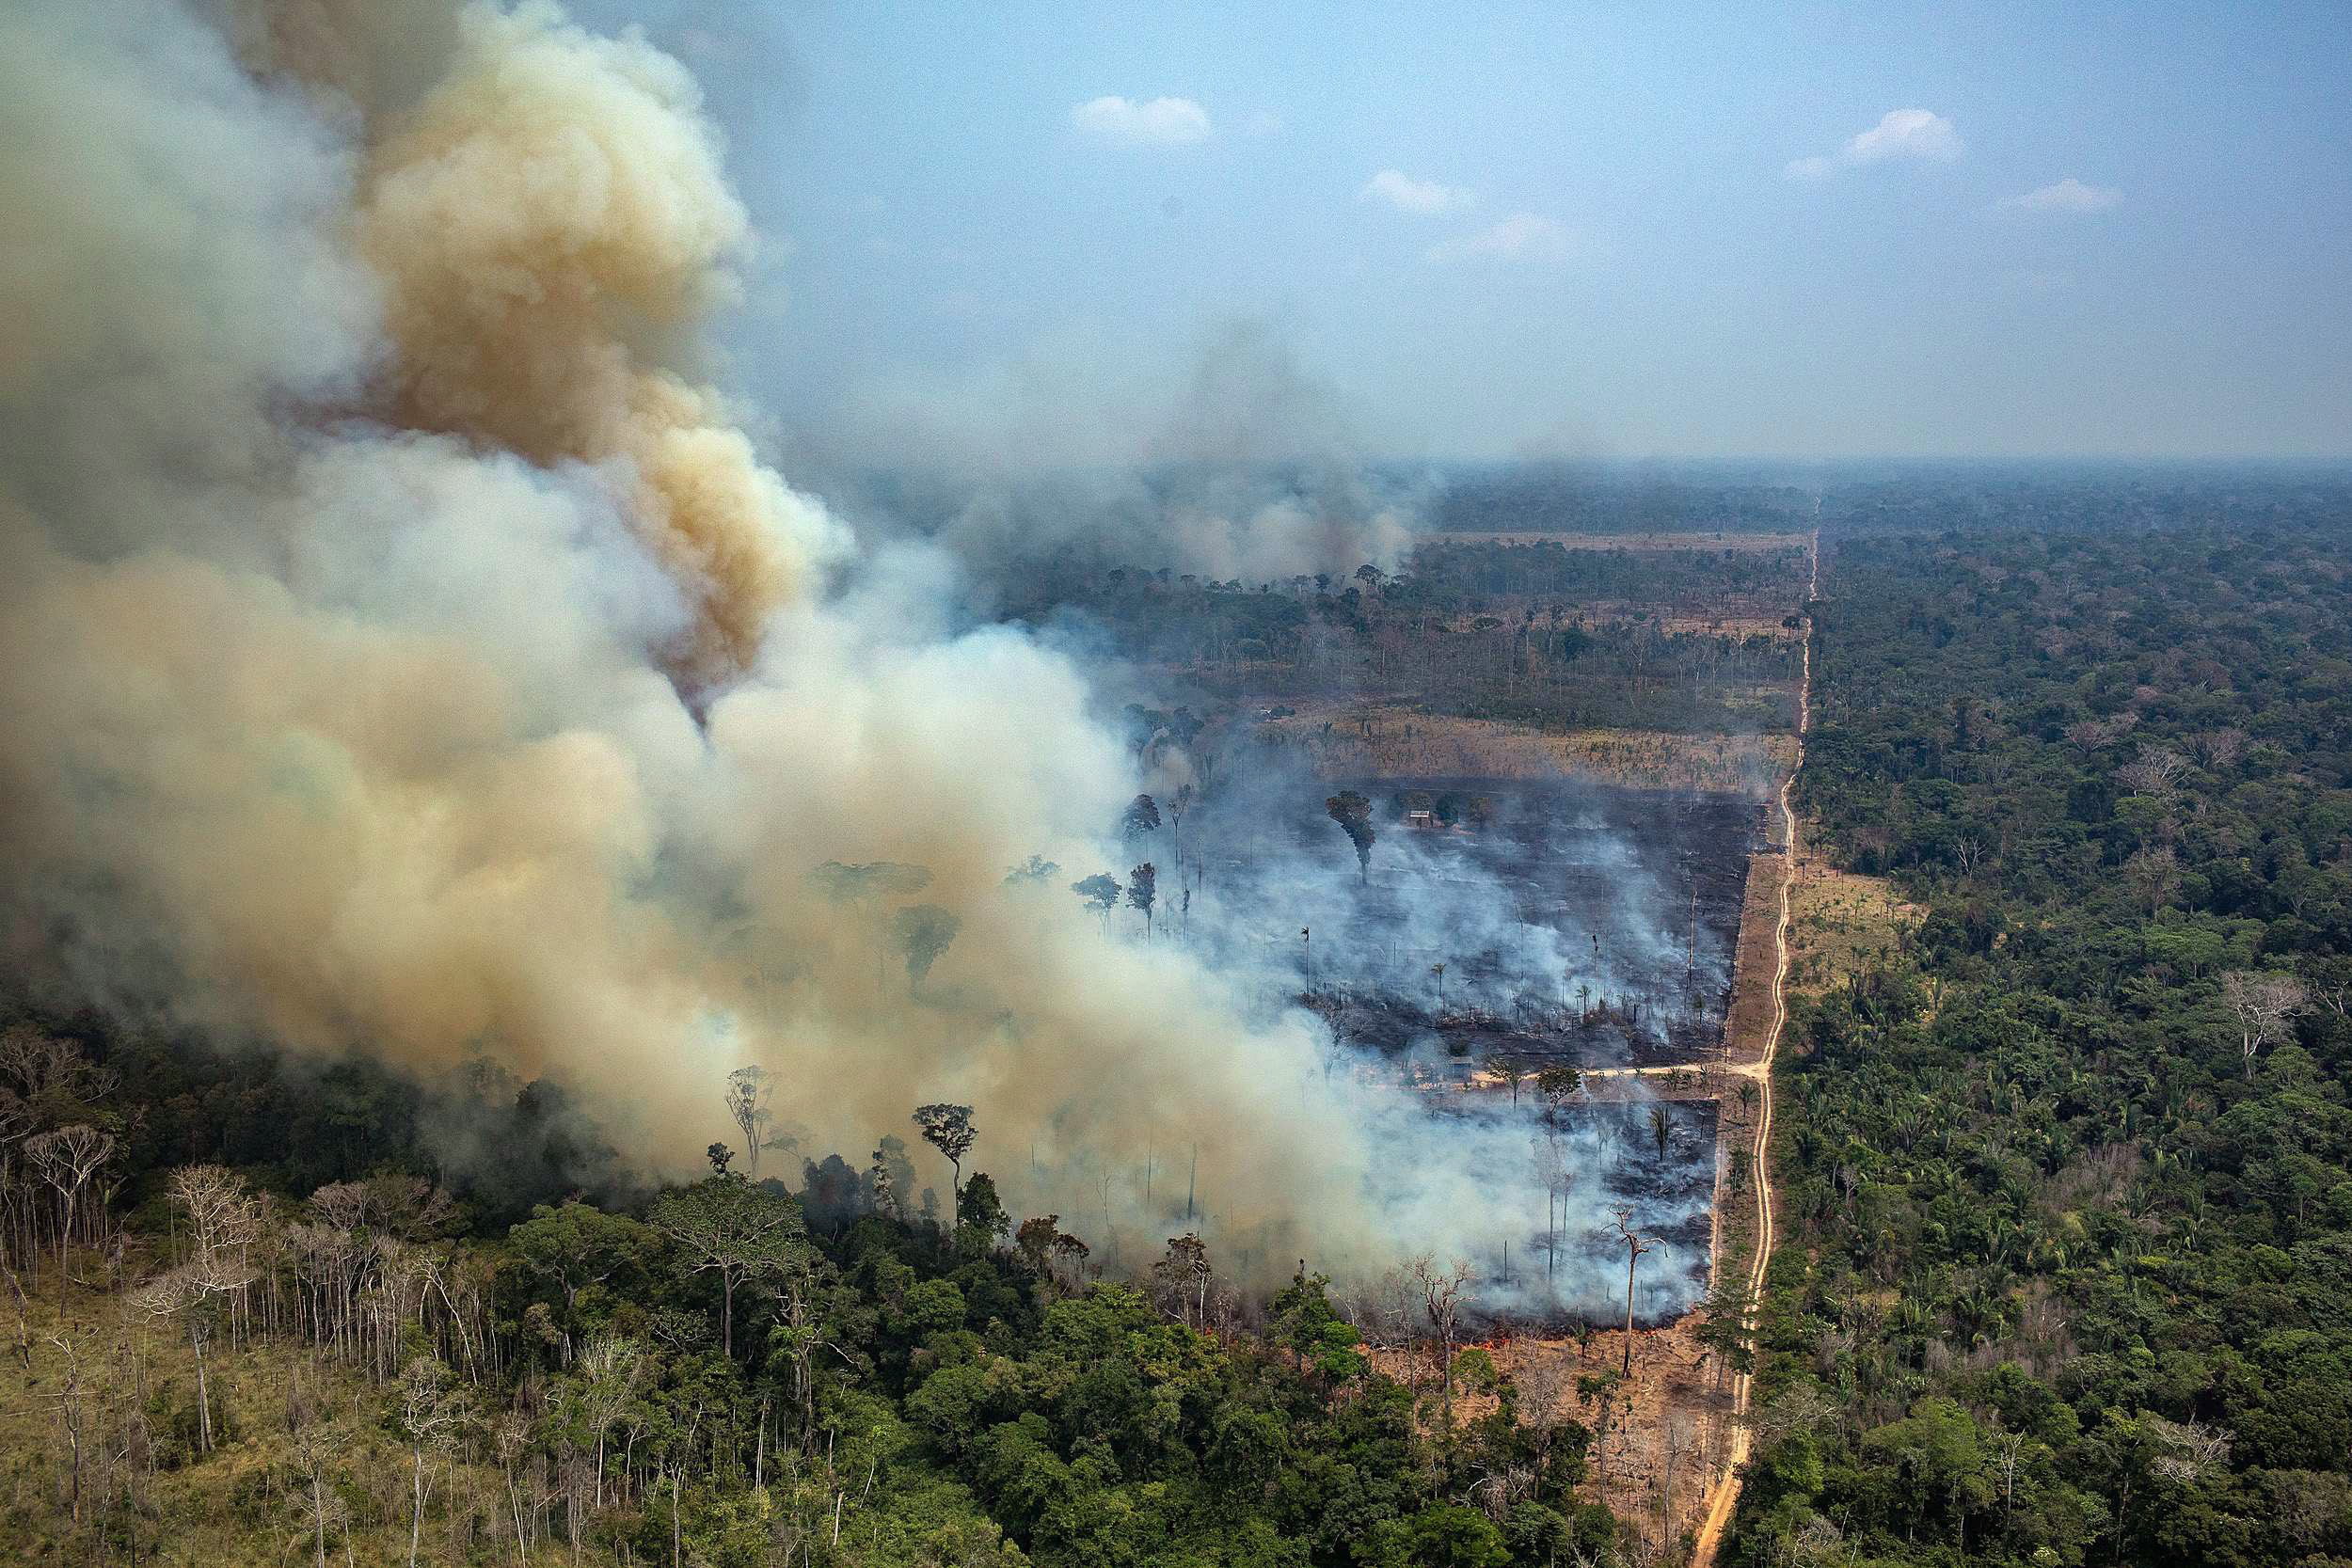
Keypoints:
pixel 67 1159
pixel 316 1440
pixel 1636 1245
pixel 2156 771
pixel 747 1103
pixel 45 1079
pixel 2334 989
pixel 2187 1451
pixel 2262 1002
pixel 2218 749
pixel 2154 875
pixel 432 1410
pixel 1441 1287
pixel 1552 1165
pixel 2009 1460
pixel 510 1437
pixel 71 1398
pixel 1178 804
pixel 1682 1442
pixel 1183 1270
pixel 1970 854
pixel 1819 1540
pixel 224 1221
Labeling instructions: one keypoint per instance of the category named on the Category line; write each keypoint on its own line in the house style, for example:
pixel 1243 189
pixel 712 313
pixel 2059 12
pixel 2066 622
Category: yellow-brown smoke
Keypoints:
pixel 551 225
pixel 359 528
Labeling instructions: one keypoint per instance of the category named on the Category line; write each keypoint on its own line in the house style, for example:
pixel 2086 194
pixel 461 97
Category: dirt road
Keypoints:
pixel 1727 1492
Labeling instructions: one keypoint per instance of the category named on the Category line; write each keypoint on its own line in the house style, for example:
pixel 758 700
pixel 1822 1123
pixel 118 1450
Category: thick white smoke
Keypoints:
pixel 401 652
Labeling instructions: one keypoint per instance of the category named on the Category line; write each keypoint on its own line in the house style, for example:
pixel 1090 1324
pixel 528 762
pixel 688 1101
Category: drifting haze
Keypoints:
pixel 1247 468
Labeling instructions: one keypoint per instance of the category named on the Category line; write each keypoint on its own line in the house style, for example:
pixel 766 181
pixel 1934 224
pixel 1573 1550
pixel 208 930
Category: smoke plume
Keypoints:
pixel 1244 466
pixel 401 651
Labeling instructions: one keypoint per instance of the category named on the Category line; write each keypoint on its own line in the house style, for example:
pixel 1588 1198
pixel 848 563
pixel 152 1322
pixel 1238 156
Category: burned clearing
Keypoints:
pixel 1539 921
pixel 1653 1161
pixel 1454 933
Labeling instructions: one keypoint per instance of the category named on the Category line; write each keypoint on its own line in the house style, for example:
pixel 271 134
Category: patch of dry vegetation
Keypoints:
pixel 1755 544
pixel 1842 923
pixel 1345 739
pixel 1658 1437
pixel 102 1365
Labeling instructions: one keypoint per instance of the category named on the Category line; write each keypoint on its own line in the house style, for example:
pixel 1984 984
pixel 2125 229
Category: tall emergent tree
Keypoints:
pixel 1353 812
pixel 860 886
pixel 1142 888
pixel 1033 872
pixel 1178 804
pixel 948 1129
pixel 723 1225
pixel 922 932
pixel 1100 893
pixel 1141 818
pixel 747 1103
pixel 1635 1245
pixel 2263 1005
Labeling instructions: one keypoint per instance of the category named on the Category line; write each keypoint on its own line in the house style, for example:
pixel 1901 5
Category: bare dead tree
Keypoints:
pixel 46 1077
pixel 316 1440
pixel 2155 876
pixel 1178 804
pixel 1681 1442
pixel 432 1409
pixel 2333 991
pixel 1636 1245
pixel 1558 1173
pixel 2009 1462
pixel 2156 771
pixel 1441 1287
pixel 2262 1003
pixel 2187 1451
pixel 748 1090
pixel 224 1222
pixel 2218 749
pixel 67 1159
pixel 71 1398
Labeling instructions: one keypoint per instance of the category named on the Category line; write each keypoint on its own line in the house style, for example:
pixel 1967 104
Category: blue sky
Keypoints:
pixel 1635 229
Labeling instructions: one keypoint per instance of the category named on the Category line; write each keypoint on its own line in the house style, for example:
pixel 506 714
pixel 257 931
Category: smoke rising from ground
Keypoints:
pixel 1244 466
pixel 401 651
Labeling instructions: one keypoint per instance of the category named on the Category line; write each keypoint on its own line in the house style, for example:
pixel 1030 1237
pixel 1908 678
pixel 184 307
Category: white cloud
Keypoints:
pixel 1408 194
pixel 1160 122
pixel 1900 134
pixel 1521 237
pixel 2069 195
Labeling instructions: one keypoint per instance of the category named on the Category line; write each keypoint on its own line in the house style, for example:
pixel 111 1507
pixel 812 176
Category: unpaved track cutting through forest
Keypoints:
pixel 1727 1491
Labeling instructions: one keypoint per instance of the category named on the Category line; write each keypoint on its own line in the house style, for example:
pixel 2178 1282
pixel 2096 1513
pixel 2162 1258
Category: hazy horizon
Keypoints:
pixel 1978 231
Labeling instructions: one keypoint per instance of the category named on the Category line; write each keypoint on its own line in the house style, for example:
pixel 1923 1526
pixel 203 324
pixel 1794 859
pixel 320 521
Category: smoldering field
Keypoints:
pixel 1550 921
pixel 1573 924
pixel 404 650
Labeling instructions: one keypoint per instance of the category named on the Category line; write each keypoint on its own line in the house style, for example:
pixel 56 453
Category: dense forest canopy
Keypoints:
pixel 2073 1167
